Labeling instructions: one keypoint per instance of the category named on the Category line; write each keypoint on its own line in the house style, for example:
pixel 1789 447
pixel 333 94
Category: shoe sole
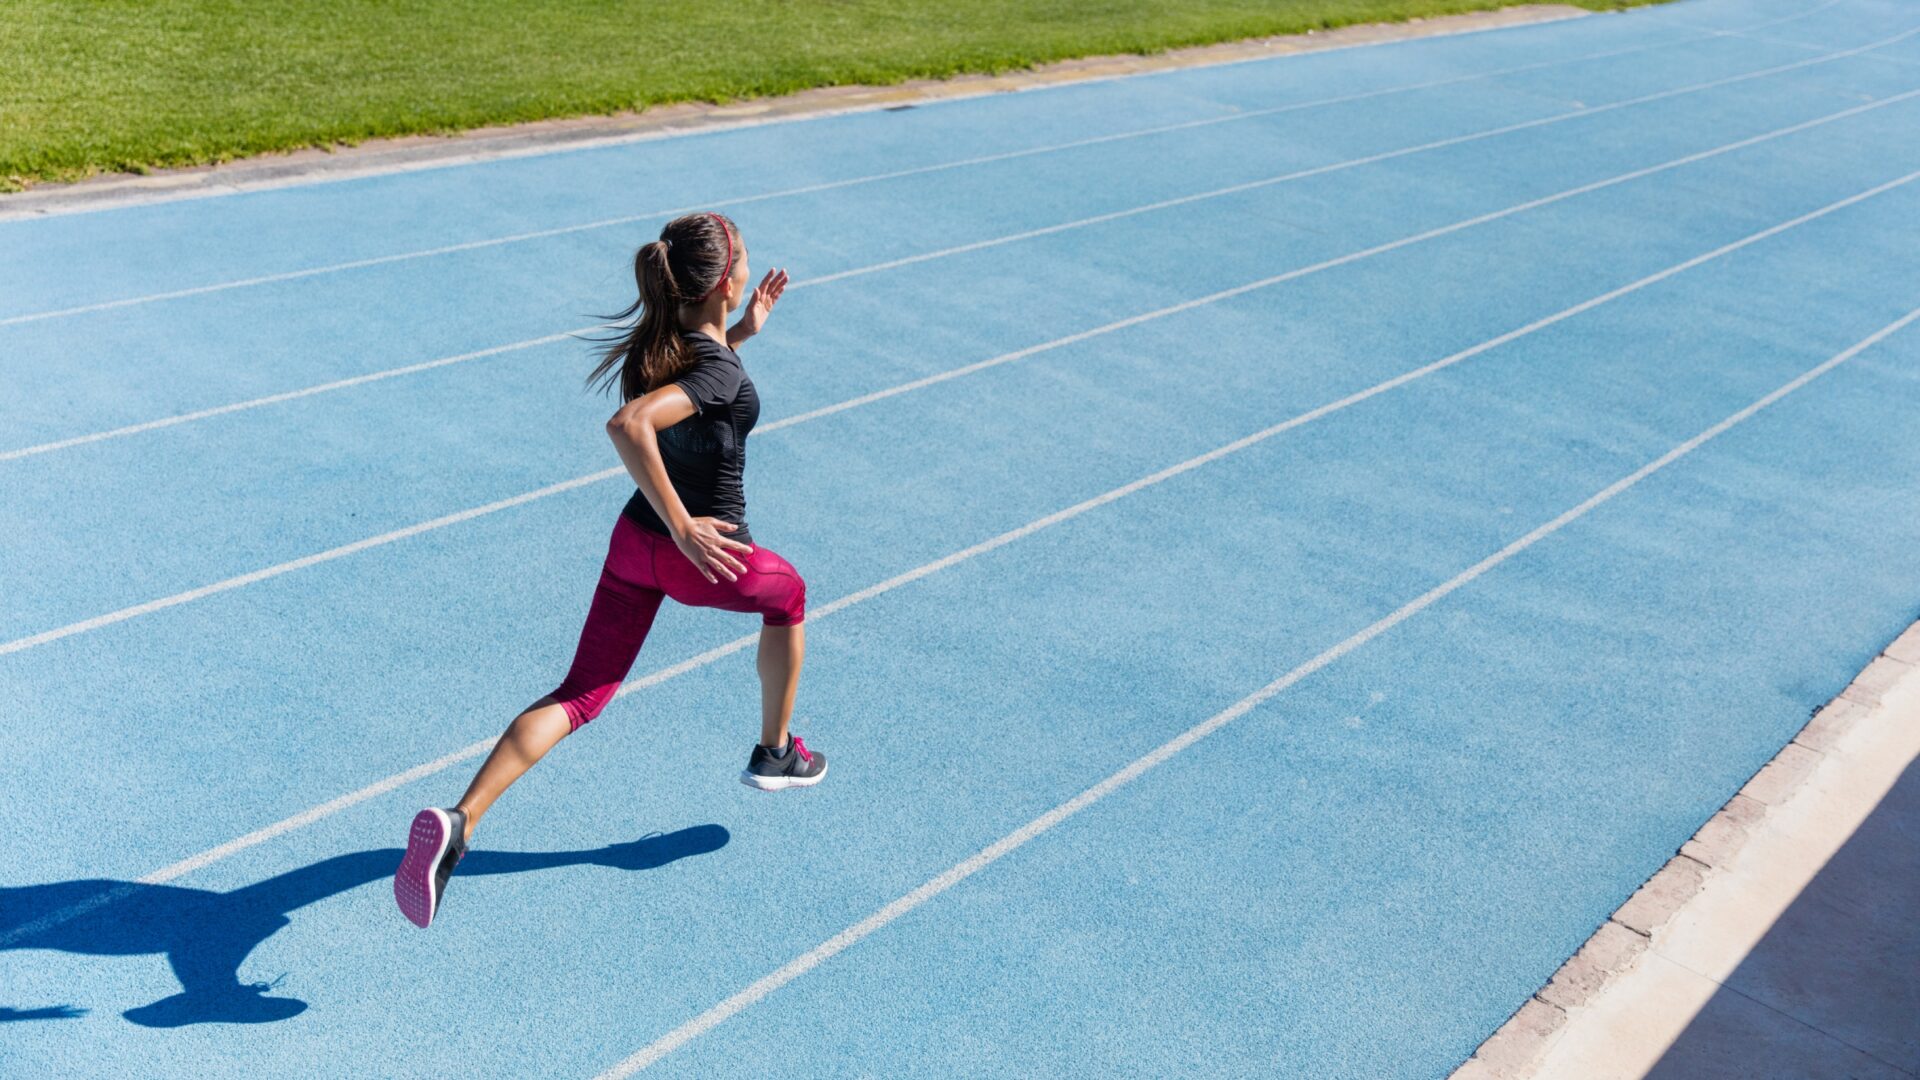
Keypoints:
pixel 413 883
pixel 781 783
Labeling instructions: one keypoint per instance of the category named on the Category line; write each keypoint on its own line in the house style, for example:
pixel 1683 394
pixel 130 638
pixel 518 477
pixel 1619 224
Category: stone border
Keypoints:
pixel 1509 1053
pixel 412 152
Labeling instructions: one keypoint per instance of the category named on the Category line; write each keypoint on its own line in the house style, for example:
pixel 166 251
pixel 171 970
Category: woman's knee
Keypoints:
pixel 582 703
pixel 785 605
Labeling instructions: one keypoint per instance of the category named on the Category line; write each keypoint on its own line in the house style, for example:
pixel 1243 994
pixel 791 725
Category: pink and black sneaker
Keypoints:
pixel 437 842
pixel 796 766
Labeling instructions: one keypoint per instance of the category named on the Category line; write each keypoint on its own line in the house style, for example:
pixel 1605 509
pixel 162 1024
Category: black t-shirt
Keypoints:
pixel 706 453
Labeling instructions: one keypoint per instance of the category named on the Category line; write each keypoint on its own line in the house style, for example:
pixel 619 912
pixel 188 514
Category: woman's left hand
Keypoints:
pixel 760 305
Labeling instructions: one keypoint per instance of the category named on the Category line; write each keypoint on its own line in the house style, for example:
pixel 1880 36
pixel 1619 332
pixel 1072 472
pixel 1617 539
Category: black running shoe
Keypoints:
pixel 799 768
pixel 437 842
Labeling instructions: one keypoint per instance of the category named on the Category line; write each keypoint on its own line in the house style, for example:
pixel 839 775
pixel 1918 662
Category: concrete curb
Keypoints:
pixel 413 152
pixel 1511 1052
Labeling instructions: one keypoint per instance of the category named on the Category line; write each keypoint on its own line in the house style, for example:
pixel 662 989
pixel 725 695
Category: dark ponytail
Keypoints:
pixel 681 268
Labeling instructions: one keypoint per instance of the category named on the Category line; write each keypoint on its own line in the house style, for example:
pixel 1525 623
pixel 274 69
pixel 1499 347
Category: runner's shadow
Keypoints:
pixel 206 935
pixel 51 1012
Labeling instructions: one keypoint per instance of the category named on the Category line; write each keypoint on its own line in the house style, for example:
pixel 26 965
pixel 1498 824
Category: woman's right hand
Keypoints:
pixel 709 551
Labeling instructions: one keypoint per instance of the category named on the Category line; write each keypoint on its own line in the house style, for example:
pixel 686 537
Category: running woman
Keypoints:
pixel 682 432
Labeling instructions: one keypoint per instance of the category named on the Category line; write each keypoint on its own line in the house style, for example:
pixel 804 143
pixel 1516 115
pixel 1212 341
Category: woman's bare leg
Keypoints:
pixel 782 648
pixel 527 740
pixel 545 723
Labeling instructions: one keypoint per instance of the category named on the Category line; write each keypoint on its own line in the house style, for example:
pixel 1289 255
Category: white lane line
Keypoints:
pixel 151 606
pixel 474 750
pixel 966 868
pixel 259 836
pixel 1878 58
pixel 1814 10
pixel 290 395
pixel 324 810
pixel 358 264
pixel 67 914
pixel 1319 170
pixel 1739 30
pixel 301 563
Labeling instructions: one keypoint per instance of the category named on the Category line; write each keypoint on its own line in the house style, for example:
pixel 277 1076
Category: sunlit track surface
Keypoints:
pixel 1301 566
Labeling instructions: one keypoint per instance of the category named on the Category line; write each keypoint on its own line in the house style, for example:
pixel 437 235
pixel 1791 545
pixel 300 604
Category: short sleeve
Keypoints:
pixel 712 383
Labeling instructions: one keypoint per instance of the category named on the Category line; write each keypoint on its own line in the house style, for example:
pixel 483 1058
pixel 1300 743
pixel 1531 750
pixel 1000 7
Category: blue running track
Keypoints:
pixel 1291 544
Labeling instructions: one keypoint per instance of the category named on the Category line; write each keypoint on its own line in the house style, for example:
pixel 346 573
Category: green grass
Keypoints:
pixel 120 85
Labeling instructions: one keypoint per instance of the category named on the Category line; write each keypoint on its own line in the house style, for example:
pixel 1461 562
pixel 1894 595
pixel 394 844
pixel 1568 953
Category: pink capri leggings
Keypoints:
pixel 642 567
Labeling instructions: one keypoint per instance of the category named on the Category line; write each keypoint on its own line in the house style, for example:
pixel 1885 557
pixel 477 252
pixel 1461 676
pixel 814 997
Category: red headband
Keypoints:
pixel 728 237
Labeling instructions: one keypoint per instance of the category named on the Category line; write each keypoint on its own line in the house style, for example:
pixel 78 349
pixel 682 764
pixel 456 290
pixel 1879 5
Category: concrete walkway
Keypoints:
pixel 1800 956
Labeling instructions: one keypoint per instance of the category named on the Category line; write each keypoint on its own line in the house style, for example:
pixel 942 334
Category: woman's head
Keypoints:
pixel 695 272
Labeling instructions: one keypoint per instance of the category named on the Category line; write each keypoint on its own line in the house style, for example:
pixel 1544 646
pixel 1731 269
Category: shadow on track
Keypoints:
pixel 206 935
